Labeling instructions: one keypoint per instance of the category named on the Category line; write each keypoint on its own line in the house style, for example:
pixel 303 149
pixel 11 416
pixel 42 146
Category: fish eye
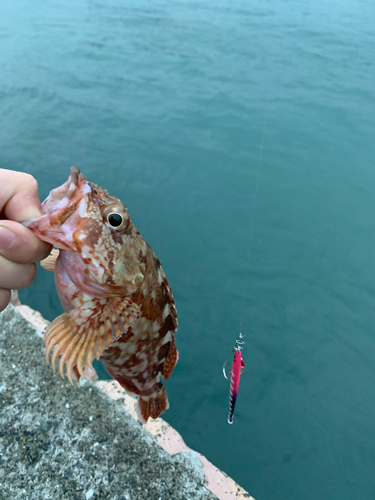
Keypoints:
pixel 115 219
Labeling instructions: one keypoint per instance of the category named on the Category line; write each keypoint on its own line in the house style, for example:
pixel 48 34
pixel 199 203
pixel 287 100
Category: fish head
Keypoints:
pixel 95 227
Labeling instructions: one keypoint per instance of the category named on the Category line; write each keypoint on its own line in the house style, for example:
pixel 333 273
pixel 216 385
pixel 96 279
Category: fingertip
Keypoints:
pixel 19 196
pixel 5 296
pixel 42 249
pixel 29 276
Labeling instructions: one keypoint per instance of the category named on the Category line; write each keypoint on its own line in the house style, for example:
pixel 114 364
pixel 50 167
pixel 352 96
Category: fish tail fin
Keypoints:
pixel 152 406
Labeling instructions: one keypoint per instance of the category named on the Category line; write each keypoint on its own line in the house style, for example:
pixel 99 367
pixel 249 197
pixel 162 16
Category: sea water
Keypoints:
pixel 241 136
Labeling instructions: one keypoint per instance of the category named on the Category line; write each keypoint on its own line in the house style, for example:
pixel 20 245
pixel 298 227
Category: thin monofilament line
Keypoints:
pixel 255 199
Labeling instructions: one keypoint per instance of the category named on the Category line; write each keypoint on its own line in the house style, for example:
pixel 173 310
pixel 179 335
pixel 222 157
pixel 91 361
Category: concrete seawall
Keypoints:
pixel 82 442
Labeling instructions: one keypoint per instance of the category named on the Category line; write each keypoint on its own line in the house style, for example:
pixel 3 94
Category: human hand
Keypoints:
pixel 19 247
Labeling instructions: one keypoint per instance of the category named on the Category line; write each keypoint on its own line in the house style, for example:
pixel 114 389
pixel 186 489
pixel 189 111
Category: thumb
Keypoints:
pixel 19 198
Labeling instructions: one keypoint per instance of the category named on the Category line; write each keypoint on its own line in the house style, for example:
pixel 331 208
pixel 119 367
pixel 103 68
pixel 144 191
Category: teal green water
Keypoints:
pixel 241 135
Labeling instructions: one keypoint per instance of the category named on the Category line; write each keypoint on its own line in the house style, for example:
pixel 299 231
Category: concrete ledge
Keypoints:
pixel 64 442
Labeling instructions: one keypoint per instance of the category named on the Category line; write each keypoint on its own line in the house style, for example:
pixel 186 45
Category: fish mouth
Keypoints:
pixel 59 205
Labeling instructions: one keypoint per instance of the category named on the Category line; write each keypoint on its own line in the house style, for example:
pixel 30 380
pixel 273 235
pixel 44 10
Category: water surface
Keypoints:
pixel 241 137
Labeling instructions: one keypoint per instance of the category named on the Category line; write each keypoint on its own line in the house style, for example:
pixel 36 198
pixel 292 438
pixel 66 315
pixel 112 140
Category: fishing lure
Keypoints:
pixel 238 366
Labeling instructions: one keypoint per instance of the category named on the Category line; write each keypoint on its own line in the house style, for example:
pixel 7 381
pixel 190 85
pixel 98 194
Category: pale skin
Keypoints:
pixel 20 249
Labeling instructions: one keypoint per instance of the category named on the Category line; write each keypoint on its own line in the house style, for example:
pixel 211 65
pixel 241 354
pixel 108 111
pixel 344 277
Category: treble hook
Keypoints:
pixel 224 372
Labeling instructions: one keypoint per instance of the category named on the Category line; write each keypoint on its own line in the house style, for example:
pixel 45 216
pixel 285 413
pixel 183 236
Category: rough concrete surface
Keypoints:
pixel 68 443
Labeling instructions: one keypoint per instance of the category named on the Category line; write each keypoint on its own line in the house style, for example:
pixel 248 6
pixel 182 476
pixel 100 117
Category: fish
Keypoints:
pixel 118 304
pixel 238 366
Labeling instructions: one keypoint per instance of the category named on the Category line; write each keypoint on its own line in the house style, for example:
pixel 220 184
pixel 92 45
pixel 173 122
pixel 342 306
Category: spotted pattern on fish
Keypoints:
pixel 131 359
pixel 119 307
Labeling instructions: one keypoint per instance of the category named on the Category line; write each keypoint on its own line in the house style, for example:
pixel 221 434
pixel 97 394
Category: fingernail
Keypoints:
pixel 7 238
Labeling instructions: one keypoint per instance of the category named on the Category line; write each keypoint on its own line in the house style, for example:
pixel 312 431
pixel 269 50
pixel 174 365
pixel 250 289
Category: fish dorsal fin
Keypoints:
pixel 50 261
pixel 80 335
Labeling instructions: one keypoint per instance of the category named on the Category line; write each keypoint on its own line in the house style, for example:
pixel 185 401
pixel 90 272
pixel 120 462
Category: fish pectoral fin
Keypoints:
pixel 80 335
pixel 50 261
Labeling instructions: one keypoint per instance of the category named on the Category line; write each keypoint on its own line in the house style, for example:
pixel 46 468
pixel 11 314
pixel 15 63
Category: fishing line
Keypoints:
pixel 238 363
pixel 255 200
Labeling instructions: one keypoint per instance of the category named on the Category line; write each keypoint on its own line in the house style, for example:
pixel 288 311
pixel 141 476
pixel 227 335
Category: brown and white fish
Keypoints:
pixel 117 300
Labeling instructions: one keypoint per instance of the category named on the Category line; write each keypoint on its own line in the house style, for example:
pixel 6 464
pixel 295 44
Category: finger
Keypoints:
pixel 19 199
pixel 19 244
pixel 15 276
pixel 4 298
